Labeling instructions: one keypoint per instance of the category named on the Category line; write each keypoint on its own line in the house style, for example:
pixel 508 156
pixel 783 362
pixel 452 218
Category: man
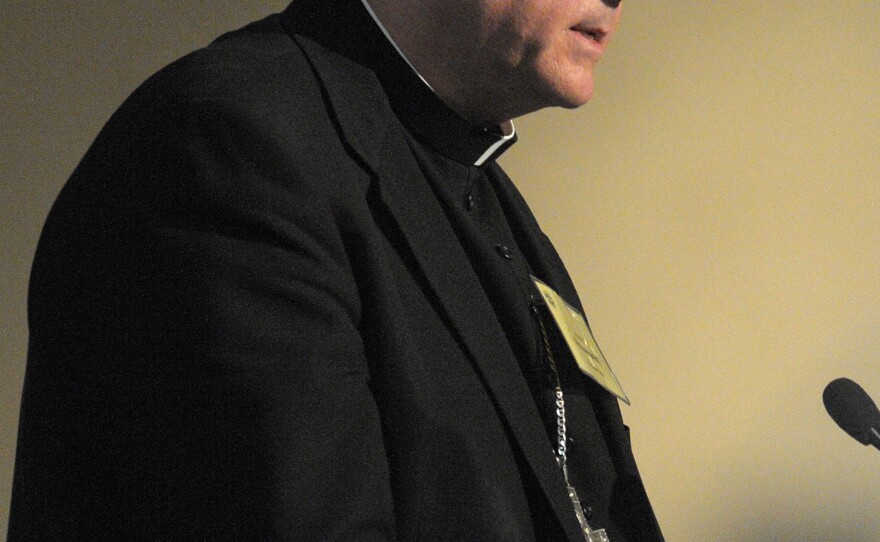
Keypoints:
pixel 289 295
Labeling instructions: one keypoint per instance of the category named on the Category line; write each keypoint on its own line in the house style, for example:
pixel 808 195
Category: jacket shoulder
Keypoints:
pixel 257 64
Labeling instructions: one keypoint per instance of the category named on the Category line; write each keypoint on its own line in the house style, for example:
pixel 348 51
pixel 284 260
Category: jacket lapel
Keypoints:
pixel 374 134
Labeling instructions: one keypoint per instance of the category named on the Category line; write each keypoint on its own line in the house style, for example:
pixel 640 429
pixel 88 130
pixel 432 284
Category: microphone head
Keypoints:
pixel 852 409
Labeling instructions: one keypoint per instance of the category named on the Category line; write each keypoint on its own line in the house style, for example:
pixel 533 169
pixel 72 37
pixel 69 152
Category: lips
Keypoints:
pixel 595 34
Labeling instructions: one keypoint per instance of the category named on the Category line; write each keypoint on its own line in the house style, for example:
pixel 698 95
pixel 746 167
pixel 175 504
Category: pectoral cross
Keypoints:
pixel 590 535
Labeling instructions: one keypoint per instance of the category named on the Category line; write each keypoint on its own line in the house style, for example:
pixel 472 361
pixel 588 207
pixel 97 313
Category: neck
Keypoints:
pixel 421 42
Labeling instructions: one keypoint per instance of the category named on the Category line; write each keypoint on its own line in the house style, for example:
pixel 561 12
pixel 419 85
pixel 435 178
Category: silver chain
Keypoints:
pixel 590 535
pixel 562 439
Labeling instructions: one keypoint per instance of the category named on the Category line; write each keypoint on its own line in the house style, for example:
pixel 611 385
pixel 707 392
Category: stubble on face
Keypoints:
pixel 531 54
pixel 493 60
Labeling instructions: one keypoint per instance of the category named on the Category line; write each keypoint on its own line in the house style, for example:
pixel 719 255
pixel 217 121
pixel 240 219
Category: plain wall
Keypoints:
pixel 717 204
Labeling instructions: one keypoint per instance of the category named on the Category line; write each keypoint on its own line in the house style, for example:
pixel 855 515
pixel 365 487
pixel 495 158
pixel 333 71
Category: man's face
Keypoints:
pixel 524 54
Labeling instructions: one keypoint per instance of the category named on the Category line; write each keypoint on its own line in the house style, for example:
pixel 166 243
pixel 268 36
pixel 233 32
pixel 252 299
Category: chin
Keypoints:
pixel 575 102
pixel 574 96
pixel 569 89
pixel 570 95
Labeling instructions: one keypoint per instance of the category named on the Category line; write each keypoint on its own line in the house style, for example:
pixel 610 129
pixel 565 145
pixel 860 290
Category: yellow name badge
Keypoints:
pixel 580 341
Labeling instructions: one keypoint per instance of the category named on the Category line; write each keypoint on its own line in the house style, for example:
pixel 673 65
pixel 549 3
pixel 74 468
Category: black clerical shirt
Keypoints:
pixel 469 197
pixel 458 159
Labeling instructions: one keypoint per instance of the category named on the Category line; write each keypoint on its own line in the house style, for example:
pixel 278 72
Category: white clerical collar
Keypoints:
pixel 508 131
pixel 391 40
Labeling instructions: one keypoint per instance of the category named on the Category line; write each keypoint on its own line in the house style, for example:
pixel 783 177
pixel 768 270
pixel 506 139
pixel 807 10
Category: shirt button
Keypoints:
pixel 504 252
pixel 469 202
pixel 588 512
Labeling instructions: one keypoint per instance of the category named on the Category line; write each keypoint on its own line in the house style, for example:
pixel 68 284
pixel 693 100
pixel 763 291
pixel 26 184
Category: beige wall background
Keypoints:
pixel 717 203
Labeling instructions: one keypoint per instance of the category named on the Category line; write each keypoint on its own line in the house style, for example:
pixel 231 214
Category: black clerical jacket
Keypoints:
pixel 251 319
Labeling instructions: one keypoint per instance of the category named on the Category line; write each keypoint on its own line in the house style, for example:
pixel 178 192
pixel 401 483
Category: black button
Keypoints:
pixel 504 252
pixel 588 512
pixel 469 202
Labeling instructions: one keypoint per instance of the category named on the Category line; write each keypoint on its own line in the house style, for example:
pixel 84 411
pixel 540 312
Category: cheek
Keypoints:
pixel 565 54
pixel 565 71
pixel 523 30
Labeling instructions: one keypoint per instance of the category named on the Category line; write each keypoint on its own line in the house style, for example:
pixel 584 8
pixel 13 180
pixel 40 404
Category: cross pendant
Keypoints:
pixel 589 534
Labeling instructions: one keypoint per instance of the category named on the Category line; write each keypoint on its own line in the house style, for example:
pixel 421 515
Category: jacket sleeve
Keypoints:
pixel 196 368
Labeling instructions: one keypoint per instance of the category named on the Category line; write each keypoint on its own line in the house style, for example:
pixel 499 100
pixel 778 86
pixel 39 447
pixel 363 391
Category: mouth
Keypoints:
pixel 592 33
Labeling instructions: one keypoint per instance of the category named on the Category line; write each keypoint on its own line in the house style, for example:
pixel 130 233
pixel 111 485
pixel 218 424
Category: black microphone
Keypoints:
pixel 853 410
